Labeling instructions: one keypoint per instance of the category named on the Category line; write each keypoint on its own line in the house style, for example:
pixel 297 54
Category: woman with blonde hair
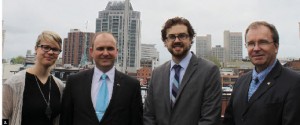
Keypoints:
pixel 33 96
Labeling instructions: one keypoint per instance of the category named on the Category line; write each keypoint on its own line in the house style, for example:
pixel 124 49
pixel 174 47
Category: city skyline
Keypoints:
pixel 23 23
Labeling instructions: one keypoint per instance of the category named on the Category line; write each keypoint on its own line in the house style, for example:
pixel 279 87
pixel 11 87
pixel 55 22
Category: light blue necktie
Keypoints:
pixel 102 98
pixel 253 87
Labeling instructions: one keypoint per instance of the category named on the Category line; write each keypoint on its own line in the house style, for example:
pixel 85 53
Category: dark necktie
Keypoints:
pixel 175 84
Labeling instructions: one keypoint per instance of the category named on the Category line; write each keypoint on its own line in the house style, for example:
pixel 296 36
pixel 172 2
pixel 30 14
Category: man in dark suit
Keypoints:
pixel 269 94
pixel 102 95
pixel 185 90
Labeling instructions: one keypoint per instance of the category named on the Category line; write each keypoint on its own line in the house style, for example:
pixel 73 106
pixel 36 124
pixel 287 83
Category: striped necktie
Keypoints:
pixel 102 98
pixel 253 87
pixel 175 84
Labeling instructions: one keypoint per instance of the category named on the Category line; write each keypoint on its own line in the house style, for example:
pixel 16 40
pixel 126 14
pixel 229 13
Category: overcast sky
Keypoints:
pixel 25 19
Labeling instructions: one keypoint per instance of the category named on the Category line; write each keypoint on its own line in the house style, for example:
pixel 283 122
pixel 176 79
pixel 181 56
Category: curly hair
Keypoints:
pixel 174 21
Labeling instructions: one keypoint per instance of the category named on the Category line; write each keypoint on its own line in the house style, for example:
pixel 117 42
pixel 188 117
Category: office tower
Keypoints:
pixel 203 46
pixel 112 19
pixel 149 56
pixel 74 47
pixel 218 52
pixel 233 43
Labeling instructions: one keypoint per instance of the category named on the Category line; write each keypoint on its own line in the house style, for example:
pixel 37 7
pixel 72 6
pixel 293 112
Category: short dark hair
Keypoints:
pixel 272 28
pixel 174 21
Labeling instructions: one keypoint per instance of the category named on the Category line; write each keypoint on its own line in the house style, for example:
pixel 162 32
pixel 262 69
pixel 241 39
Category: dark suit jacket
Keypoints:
pixel 275 102
pixel 125 107
pixel 199 96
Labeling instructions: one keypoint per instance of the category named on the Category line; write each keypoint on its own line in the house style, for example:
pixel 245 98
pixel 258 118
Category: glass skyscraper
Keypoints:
pixel 112 20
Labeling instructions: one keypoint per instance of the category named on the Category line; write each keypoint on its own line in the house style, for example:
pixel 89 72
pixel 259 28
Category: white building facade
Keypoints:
pixel 203 46
pixel 218 52
pixel 149 54
pixel 233 43
pixel 112 20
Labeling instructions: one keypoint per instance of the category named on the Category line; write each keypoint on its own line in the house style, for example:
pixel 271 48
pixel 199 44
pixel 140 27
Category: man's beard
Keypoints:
pixel 180 54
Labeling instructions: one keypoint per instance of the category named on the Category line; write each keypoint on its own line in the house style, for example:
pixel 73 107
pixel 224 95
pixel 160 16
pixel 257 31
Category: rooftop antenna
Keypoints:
pixel 125 52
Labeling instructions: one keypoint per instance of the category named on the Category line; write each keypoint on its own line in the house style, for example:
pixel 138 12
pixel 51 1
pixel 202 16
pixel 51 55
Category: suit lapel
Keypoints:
pixel 166 84
pixel 188 74
pixel 88 80
pixel 245 88
pixel 244 91
pixel 268 82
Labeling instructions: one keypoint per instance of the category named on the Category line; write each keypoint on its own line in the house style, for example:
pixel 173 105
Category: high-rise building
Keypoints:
pixel 218 52
pixel 233 43
pixel 112 19
pixel 203 46
pixel 149 55
pixel 75 45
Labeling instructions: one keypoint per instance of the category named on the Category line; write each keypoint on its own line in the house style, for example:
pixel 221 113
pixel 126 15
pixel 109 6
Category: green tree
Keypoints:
pixel 18 60
pixel 214 60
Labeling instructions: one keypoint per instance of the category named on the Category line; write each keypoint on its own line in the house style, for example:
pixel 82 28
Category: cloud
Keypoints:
pixel 24 20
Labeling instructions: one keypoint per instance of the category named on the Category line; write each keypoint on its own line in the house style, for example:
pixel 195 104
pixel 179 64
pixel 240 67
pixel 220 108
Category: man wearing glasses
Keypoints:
pixel 185 90
pixel 269 94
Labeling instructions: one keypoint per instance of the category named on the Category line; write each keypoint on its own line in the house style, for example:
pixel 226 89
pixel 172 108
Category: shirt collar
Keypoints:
pixel 262 75
pixel 110 73
pixel 184 62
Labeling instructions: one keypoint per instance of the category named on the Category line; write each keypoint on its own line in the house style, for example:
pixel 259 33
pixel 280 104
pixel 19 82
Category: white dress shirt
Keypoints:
pixel 96 83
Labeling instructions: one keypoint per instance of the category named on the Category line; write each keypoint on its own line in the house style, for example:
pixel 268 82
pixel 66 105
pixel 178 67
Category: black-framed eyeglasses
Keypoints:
pixel 180 36
pixel 262 43
pixel 47 48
